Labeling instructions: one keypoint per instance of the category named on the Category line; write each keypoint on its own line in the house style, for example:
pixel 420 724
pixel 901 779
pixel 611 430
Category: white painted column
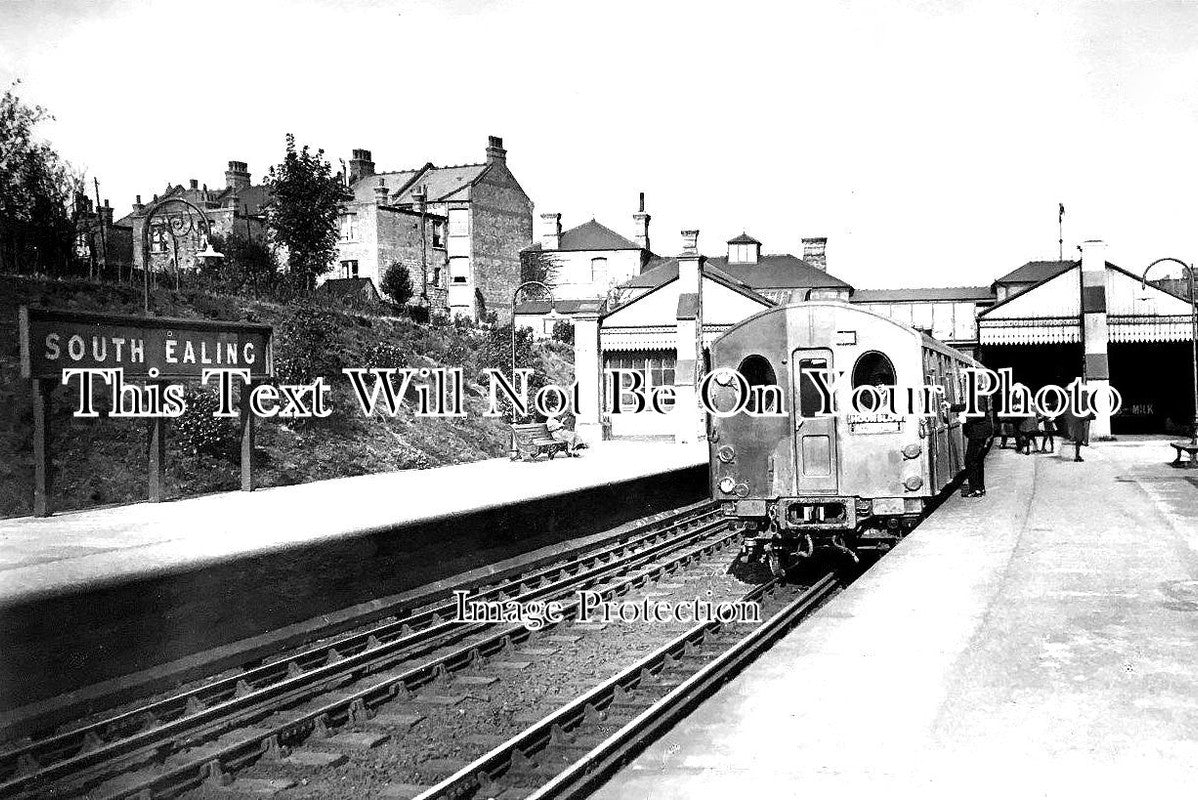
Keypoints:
pixel 588 372
pixel 688 418
pixel 1095 335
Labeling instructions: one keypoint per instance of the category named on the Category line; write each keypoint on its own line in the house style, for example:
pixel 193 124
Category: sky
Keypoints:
pixel 931 142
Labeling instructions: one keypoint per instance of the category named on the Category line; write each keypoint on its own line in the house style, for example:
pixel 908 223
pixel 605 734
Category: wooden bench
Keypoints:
pixel 533 439
pixel 1185 447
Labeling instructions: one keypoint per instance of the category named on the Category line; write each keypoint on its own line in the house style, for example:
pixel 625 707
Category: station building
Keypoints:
pixel 1048 321
pixel 1058 320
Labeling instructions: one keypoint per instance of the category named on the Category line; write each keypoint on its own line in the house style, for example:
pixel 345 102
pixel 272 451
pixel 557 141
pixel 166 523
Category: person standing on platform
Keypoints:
pixel 1078 429
pixel 978 431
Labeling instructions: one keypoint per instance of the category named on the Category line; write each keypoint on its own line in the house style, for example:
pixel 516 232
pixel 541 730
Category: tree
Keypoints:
pixel 397 283
pixel 304 215
pixel 248 262
pixel 537 265
pixel 37 191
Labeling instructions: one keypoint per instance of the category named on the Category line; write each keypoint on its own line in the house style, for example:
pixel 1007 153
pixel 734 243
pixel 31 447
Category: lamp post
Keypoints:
pixel 515 296
pixel 1189 271
pixel 177 227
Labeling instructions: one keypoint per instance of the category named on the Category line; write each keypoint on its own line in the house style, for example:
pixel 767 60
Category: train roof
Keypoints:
pixel 925 339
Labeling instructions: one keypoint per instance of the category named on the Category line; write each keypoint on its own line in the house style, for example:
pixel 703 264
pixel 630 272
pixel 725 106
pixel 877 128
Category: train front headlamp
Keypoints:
pixel 727 484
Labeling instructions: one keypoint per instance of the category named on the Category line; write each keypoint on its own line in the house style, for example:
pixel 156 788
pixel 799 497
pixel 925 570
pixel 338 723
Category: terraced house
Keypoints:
pixel 458 230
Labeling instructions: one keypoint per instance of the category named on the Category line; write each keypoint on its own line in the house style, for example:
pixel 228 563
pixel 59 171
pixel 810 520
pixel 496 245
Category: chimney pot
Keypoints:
pixel 815 252
pixel 380 192
pixel 495 151
pixel 641 224
pixel 361 165
pixel 237 176
pixel 690 243
pixel 195 184
pixel 551 239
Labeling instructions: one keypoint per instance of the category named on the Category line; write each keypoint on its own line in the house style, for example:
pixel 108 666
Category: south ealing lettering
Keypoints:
pixel 103 351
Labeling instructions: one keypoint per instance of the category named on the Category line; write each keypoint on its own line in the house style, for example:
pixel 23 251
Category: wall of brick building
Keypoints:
pixel 501 226
pixel 224 221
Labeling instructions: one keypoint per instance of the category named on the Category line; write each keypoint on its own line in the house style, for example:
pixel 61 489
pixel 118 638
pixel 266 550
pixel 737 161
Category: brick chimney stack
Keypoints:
pixel 380 192
pixel 106 214
pixel 138 205
pixel 360 166
pixel 195 184
pixel 815 252
pixel 237 176
pixel 551 238
pixel 495 151
pixel 641 225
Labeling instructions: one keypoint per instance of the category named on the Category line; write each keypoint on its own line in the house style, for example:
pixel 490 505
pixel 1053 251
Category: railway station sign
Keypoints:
pixel 155 350
pixel 143 347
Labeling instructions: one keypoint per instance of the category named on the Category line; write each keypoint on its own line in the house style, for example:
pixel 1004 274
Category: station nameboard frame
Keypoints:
pixel 151 349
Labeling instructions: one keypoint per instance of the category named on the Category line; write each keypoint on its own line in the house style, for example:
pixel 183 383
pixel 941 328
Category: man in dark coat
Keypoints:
pixel 978 432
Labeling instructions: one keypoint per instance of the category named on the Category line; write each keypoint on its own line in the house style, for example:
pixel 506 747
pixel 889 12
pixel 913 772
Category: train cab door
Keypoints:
pixel 815 435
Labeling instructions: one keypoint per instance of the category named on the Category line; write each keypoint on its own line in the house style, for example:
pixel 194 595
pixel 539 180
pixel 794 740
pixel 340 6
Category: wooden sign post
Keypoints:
pixel 156 350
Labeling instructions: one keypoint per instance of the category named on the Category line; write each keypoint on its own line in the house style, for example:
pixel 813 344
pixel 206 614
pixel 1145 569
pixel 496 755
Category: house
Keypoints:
pixel 105 246
pixel 177 233
pixel 458 230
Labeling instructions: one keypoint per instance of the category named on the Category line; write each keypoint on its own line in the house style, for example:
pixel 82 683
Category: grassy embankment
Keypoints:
pixel 103 461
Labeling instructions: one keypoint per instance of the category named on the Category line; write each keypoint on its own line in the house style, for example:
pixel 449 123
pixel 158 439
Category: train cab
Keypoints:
pixel 830 427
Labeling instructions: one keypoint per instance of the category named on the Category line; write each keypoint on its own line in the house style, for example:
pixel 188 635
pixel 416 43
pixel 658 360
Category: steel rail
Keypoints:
pixel 555 729
pixel 250 704
pixel 61 745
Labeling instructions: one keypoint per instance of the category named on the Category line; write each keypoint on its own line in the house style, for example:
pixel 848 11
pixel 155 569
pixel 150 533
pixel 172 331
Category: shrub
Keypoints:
pixel 197 432
pixel 397 283
pixel 563 331
pixel 304 348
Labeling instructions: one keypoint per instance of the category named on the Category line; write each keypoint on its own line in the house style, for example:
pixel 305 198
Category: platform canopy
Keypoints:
pixel 1050 312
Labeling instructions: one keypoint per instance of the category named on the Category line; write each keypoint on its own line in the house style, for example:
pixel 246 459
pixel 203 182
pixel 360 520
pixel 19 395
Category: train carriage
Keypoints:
pixel 799 478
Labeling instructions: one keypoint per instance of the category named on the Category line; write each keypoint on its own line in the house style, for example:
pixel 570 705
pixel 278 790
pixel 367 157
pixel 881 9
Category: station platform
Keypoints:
pixel 1038 642
pixel 92 595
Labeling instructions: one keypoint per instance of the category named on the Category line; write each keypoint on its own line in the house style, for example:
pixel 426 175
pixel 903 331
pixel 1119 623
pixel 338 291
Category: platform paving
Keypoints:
pixel 1039 642
pixel 65 551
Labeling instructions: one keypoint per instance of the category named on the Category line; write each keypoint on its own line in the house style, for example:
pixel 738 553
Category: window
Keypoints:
pixel 656 365
pixel 459 222
pixel 756 371
pixel 810 394
pixel 459 269
pixel 438 233
pixel 872 369
pixel 349 269
pixel 547 329
pixel 599 271
pixel 435 280
pixel 158 239
pixel 349 227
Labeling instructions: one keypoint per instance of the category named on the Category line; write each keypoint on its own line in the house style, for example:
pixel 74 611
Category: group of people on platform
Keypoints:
pixel 1032 434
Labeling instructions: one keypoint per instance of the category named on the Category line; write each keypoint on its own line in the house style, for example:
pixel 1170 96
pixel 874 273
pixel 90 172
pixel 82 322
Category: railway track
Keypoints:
pixel 202 734
pixel 571 751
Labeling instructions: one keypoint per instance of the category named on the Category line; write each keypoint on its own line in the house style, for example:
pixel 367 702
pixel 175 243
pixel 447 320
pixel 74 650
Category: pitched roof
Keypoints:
pixel 363 188
pixel 440 183
pixel 595 236
pixel 780 271
pixel 1036 271
pixel 663 270
pixel 744 238
pixel 960 293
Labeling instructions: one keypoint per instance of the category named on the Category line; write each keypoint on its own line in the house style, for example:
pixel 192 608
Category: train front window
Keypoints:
pixel 756 371
pixel 872 369
pixel 811 395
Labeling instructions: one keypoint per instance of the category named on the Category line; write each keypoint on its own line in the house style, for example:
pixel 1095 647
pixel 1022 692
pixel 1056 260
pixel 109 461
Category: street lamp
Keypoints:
pixel 177 227
pixel 515 296
pixel 1189 271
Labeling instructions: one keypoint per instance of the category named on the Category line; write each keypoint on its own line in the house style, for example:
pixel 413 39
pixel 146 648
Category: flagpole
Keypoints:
pixel 1061 232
